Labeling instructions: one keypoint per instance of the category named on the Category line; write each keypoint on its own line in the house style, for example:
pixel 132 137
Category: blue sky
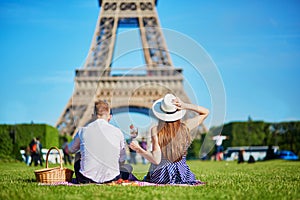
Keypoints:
pixel 255 46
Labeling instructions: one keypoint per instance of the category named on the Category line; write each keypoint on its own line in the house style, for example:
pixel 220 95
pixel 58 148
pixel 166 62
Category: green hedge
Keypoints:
pixel 51 137
pixel 16 137
pixel 286 135
pixel 5 142
pixel 193 150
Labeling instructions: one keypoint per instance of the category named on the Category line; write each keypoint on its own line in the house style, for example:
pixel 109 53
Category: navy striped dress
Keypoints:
pixel 168 172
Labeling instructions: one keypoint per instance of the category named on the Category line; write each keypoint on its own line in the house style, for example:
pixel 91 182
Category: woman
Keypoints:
pixel 170 140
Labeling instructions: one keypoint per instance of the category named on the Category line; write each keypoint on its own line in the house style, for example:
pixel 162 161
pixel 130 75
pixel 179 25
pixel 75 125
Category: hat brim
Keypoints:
pixel 160 114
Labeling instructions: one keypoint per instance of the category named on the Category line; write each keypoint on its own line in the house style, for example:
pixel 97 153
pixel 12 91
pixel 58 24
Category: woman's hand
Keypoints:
pixel 134 145
pixel 179 103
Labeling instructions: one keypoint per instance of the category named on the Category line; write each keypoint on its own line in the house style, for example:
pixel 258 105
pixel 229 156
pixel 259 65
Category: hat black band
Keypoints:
pixel 171 112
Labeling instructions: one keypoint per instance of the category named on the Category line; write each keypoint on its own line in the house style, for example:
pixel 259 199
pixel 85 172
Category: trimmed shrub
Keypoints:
pixel 16 137
pixel 193 150
pixel 6 142
pixel 286 135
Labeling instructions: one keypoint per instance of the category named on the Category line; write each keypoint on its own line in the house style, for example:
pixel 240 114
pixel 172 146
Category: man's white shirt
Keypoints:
pixel 219 139
pixel 102 147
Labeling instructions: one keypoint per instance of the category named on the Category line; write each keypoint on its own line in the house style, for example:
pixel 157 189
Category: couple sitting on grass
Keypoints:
pixel 102 146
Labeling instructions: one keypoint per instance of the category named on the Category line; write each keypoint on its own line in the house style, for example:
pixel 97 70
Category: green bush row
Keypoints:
pixel 16 137
pixel 286 135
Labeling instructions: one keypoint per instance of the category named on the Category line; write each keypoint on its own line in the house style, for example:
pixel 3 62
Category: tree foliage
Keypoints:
pixel 286 135
pixel 5 142
pixel 16 137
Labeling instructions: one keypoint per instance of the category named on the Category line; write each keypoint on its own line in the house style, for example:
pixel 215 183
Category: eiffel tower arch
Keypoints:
pixel 96 79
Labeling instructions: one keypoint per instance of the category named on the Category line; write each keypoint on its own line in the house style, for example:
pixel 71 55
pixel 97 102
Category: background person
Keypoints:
pixel 132 153
pixel 143 144
pixel 39 153
pixel 27 155
pixel 241 156
pixel 67 156
pixel 219 148
pixel 33 152
pixel 270 153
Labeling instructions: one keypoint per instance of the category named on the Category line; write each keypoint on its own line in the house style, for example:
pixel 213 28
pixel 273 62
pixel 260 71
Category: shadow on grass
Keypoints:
pixel 28 180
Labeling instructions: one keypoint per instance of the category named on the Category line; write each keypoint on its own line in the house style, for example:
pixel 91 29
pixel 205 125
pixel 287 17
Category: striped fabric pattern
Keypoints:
pixel 172 173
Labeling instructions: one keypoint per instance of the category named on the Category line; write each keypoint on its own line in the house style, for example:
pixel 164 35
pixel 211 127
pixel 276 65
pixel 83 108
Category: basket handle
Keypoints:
pixel 60 156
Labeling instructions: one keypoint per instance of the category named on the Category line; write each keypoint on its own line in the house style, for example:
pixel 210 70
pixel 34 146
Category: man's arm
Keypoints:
pixel 122 158
pixel 74 145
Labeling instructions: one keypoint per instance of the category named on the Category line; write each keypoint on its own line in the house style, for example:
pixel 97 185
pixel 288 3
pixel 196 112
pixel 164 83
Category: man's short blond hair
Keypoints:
pixel 101 108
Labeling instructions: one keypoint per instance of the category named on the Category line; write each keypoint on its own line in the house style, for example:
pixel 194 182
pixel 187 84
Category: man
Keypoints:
pixel 39 148
pixel 67 156
pixel 33 153
pixel 133 135
pixel 219 140
pixel 102 149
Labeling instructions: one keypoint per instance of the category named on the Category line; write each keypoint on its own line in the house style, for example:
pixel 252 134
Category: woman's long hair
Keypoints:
pixel 174 139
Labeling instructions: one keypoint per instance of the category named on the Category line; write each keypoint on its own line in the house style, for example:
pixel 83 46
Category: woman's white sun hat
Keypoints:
pixel 165 110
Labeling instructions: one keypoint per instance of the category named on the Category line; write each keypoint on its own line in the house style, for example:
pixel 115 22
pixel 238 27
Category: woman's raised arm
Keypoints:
pixel 198 119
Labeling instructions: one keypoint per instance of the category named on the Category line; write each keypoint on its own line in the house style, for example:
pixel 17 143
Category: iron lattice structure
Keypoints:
pixel 95 80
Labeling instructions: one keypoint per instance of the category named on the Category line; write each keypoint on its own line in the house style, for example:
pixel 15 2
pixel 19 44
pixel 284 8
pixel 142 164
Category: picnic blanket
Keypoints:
pixel 123 183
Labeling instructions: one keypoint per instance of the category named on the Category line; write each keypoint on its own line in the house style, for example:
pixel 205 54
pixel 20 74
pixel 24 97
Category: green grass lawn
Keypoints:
pixel 225 180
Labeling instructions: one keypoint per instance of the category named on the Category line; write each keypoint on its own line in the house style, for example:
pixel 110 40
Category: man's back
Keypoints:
pixel 100 147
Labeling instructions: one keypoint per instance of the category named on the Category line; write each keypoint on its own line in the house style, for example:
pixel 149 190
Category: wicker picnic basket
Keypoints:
pixel 53 175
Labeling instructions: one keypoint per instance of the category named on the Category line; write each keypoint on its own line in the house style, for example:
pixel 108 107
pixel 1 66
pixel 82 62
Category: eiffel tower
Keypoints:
pixel 130 91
